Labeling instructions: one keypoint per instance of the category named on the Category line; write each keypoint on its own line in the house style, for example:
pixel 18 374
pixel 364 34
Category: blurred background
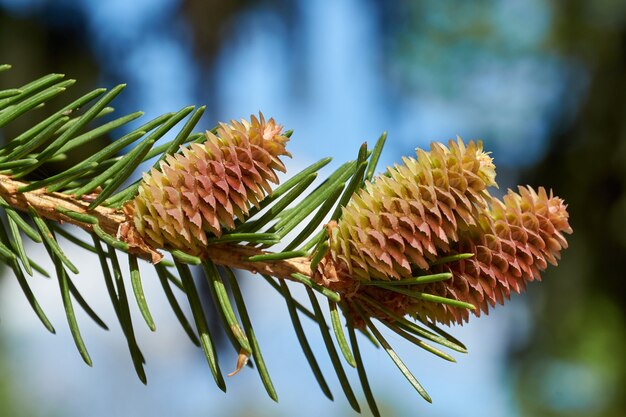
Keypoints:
pixel 542 83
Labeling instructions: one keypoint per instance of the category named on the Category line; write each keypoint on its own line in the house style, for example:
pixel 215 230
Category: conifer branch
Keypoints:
pixel 424 243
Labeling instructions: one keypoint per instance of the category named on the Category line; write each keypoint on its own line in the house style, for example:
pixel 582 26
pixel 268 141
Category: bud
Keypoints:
pixel 206 186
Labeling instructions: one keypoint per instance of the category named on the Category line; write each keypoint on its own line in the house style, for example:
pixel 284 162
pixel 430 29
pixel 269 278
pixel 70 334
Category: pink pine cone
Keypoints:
pixel 206 186
pixel 438 205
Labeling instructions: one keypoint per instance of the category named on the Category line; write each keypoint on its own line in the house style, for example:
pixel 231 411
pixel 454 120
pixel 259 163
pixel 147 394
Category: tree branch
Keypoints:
pixel 45 203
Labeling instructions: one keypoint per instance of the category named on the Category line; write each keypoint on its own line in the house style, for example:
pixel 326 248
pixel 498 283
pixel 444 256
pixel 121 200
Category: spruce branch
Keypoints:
pixel 424 243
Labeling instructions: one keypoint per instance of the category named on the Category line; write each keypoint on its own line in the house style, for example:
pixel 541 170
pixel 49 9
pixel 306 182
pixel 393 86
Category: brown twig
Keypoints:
pixel 44 203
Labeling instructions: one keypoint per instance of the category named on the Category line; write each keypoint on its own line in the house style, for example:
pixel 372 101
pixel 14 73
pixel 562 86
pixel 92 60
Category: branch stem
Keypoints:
pixel 51 206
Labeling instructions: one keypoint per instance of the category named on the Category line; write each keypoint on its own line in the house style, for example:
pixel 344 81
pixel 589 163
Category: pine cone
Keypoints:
pixel 438 205
pixel 203 188
pixel 513 243
pixel 408 217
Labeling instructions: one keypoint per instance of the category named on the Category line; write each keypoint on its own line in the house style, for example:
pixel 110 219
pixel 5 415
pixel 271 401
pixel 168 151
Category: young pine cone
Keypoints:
pixel 437 206
pixel 513 243
pixel 205 186
pixel 408 218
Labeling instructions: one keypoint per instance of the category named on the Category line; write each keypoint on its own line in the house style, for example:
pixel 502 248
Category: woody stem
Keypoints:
pixel 46 203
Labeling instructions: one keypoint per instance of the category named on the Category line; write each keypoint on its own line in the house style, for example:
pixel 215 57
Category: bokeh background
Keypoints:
pixel 542 83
